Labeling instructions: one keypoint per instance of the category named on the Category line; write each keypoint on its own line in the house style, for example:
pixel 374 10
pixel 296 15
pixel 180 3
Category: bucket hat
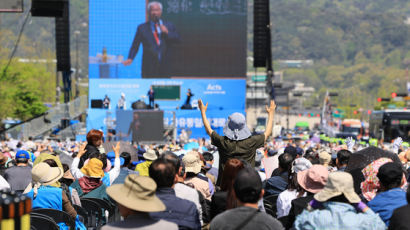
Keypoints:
pixel 314 179
pixel 150 155
pixel 93 168
pixel 137 193
pixel 192 162
pixel 235 128
pixel 338 183
pixel 45 174
pixel 325 158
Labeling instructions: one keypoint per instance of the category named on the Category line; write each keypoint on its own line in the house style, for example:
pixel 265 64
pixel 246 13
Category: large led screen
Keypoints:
pixel 175 38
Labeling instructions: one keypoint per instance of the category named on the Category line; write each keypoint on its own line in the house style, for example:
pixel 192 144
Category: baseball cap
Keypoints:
pixel 111 158
pixel 390 172
pixel 299 151
pixel 22 154
pixel 248 185
pixel 291 150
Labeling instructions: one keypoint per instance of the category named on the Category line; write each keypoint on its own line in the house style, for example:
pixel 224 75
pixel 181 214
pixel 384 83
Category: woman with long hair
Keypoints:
pixel 224 198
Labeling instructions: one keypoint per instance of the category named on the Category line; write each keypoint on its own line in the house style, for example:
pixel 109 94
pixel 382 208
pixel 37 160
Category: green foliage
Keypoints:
pixel 360 48
pixel 23 90
pixel 338 30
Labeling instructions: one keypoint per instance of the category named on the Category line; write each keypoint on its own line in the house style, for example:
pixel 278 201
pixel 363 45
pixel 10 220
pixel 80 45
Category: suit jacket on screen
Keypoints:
pixel 155 59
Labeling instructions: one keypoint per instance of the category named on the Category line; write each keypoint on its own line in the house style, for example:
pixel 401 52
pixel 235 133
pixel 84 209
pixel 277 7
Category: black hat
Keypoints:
pixel 389 173
pixel 248 185
pixel 291 150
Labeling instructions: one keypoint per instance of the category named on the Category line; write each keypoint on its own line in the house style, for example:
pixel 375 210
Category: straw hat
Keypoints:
pixel 137 193
pixel 314 179
pixel 192 162
pixel 150 155
pixel 338 183
pixel 68 175
pixel 93 168
pixel 325 158
pixel 45 175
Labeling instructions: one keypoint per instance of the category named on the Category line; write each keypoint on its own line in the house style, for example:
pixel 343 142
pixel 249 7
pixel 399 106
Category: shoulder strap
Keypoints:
pixel 241 224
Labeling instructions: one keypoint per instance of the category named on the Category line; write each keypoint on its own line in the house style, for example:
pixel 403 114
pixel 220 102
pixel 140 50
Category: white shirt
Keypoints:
pixel 185 192
pixel 4 184
pixel 284 202
pixel 113 173
pixel 262 175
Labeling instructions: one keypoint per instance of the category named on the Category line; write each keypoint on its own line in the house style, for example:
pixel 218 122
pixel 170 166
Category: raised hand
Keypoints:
pixel 82 150
pixel 164 29
pixel 116 149
pixel 350 143
pixel 396 144
pixel 201 106
pixel 127 62
pixel 272 107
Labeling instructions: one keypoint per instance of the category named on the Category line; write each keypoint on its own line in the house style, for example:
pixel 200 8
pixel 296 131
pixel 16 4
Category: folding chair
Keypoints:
pixel 40 221
pixel 82 213
pixel 57 215
pixel 105 206
pixel 271 202
pixel 94 211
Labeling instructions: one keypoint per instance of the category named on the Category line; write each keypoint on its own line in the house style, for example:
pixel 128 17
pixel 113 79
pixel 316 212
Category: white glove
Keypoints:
pixel 396 144
pixel 350 143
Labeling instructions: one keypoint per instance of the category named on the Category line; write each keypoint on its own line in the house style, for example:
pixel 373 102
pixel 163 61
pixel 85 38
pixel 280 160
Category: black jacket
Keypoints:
pixel 155 59
pixel 400 218
pixel 218 203
pixel 91 149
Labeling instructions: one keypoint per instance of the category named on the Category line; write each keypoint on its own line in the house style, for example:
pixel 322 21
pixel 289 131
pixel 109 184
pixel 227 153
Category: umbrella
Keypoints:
pixel 364 157
pixel 359 160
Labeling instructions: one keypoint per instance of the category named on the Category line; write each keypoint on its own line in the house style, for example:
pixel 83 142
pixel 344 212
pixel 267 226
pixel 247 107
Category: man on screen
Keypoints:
pixel 156 37
pixel 134 126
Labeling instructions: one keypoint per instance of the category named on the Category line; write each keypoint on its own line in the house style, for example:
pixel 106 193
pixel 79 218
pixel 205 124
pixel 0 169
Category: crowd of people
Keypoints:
pixel 236 181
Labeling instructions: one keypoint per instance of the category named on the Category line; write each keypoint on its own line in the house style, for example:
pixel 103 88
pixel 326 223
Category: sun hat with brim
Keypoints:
pixel 68 175
pixel 338 183
pixel 137 193
pixel 107 168
pixel 45 175
pixel 314 179
pixel 325 158
pixel 150 155
pixel 93 168
pixel 235 127
pixel 192 162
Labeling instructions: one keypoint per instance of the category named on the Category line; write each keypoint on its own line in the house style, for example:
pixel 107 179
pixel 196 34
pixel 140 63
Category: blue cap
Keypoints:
pixel 111 157
pixel 299 151
pixel 22 154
